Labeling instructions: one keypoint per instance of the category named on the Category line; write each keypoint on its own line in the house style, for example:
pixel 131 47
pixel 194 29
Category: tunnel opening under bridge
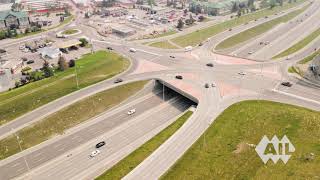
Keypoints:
pixel 167 88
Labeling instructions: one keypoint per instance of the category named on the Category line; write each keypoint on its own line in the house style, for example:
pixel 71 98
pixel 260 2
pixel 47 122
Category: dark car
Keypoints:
pixel 206 85
pixel 100 144
pixel 200 44
pixel 110 48
pixel 210 64
pixel 118 80
pixel 30 61
pixel 24 59
pixel 63 50
pixel 288 84
pixel 172 57
pixel 179 77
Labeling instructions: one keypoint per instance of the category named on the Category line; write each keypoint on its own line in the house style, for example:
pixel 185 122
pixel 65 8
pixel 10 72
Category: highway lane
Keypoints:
pixel 40 156
pixel 70 167
pixel 270 36
pixel 290 38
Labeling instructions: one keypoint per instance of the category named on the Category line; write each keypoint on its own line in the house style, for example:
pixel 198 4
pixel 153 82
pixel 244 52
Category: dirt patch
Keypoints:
pixel 241 147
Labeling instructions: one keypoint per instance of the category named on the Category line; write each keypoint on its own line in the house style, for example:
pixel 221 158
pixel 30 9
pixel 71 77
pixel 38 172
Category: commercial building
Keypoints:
pixel 43 6
pixel 123 31
pixel 114 11
pixel 50 53
pixel 14 19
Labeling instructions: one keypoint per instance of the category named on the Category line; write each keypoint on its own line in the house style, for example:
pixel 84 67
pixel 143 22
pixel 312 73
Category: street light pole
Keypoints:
pixel 24 158
pixel 75 69
pixel 163 92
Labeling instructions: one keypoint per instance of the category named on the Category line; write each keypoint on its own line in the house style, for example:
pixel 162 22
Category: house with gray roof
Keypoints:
pixel 14 19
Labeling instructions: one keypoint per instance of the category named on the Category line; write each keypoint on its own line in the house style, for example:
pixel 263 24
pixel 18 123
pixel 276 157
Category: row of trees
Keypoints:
pixel 46 71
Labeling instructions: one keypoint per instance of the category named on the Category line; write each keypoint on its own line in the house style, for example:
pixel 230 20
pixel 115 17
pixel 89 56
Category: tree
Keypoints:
pixel 83 41
pixel 62 64
pixel 272 4
pixel 72 63
pixel 47 70
pixel 180 24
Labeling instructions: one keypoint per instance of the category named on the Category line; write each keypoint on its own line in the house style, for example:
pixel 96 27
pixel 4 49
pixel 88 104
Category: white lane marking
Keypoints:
pixel 40 153
pixel 148 52
pixel 40 159
pixel 16 164
pixel 296 96
pixel 75 137
pixel 107 42
pixel 58 145
pixel 21 169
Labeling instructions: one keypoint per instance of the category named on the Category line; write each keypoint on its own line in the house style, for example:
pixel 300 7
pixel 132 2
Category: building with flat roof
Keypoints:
pixel 14 19
pixel 123 31
pixel 43 6
pixel 50 52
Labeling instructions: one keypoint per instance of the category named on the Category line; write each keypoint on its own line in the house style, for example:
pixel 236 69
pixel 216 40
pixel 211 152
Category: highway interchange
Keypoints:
pixel 66 156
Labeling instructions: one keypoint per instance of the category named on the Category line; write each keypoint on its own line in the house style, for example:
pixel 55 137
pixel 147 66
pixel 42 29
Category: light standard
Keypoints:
pixel 75 69
pixel 24 158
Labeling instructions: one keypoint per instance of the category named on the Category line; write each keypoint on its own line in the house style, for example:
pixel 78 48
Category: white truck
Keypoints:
pixel 188 48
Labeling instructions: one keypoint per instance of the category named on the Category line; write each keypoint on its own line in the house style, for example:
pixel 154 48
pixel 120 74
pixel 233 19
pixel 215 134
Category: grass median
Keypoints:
pixel 310 58
pixel 225 153
pixel 91 69
pixel 68 117
pixel 70 31
pixel 258 30
pixel 127 164
pixel 196 37
pixel 299 45
pixel 163 45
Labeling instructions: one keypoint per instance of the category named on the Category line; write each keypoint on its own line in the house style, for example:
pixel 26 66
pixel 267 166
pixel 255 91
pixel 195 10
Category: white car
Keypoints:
pixel 132 50
pixel 132 111
pixel 22 47
pixel 250 52
pixel 94 153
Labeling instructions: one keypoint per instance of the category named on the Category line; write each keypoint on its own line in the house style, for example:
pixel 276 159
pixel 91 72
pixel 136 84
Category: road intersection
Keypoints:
pixel 261 81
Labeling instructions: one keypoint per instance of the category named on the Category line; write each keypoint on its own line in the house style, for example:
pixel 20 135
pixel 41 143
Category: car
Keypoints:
pixel 30 62
pixel 266 43
pixel 179 77
pixel 25 50
pixel 63 50
pixel 213 85
pixel 172 57
pixel 22 47
pixel 209 64
pixel 100 144
pixel 287 84
pixel 242 73
pixel 200 44
pixel 24 59
pixel 206 85
pixel 94 153
pixel 132 50
pixel 288 58
pixel 110 48
pixel 118 80
pixel 132 111
pixel 230 29
pixel 250 52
